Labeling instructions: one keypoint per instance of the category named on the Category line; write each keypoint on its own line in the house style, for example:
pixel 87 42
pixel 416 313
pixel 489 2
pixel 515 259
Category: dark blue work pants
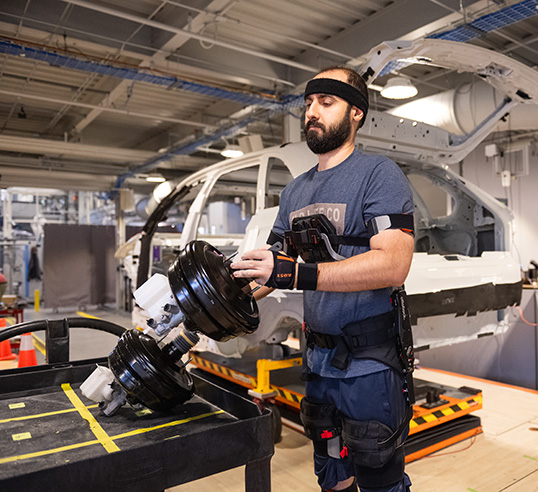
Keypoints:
pixel 378 396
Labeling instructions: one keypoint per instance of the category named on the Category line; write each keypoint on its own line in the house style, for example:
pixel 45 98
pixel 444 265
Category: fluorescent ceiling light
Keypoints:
pixel 399 88
pixel 156 178
pixel 231 151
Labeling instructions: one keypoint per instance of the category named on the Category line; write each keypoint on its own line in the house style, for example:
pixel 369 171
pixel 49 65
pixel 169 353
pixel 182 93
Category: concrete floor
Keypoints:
pixel 504 458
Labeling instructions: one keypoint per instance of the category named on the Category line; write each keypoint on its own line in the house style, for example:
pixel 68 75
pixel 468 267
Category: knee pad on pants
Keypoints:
pixel 378 461
pixel 323 424
pixel 391 473
pixel 366 441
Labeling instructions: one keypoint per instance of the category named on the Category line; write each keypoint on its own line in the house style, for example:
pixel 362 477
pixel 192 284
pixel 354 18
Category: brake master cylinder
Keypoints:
pixel 199 295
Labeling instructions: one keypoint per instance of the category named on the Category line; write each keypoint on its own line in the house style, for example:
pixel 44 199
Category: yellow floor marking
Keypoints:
pixel 39 415
pixel 98 431
pixel 46 452
pixel 86 315
pixel 39 344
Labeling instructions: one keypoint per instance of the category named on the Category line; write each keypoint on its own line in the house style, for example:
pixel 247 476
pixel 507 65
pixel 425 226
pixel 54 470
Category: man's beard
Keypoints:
pixel 329 139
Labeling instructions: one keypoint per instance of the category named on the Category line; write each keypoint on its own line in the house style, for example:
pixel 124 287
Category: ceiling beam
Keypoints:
pixel 99 109
pixel 40 146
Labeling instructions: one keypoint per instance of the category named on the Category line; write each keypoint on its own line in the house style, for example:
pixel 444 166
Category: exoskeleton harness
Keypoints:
pixel 386 338
pixel 314 237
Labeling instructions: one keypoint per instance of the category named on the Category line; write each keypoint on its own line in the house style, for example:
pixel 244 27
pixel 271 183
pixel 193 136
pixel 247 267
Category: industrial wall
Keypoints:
pixel 78 265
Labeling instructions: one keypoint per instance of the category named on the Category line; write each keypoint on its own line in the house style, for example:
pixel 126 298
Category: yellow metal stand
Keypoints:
pixel 264 367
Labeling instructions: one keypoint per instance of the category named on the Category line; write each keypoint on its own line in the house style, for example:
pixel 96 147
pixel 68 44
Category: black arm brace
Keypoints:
pixel 314 237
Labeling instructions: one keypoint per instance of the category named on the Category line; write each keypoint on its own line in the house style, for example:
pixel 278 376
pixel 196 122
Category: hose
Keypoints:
pixel 38 325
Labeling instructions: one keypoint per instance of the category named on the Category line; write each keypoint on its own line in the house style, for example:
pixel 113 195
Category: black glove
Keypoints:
pixel 283 275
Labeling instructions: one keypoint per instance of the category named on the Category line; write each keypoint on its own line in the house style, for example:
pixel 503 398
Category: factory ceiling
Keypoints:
pixel 98 94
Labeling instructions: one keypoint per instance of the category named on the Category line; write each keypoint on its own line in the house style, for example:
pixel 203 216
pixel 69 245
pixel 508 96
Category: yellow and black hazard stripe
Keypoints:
pixel 225 372
pixel 447 412
pixel 289 397
pixel 284 395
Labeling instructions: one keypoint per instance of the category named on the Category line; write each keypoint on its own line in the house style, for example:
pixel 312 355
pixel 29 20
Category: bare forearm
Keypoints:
pixel 262 291
pixel 368 271
pixel 375 269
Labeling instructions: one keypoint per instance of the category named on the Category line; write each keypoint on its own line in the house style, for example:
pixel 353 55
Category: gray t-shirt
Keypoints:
pixel 358 189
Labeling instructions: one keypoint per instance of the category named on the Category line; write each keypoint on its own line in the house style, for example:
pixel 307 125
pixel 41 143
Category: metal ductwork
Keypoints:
pixel 462 109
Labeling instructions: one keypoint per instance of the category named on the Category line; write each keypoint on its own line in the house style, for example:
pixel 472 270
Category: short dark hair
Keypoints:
pixel 354 79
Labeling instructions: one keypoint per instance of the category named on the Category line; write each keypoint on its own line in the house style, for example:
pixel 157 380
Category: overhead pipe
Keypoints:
pixel 50 178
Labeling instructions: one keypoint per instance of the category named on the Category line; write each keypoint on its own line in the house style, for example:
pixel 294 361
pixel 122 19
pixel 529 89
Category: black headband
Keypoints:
pixel 337 88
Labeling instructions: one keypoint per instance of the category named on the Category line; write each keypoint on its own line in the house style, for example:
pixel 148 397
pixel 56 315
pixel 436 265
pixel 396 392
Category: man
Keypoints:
pixel 355 407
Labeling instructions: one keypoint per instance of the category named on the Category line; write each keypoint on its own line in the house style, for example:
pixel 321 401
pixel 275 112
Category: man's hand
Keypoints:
pixel 256 264
pixel 267 267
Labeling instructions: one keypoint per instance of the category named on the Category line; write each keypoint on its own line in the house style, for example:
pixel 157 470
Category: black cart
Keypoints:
pixel 54 439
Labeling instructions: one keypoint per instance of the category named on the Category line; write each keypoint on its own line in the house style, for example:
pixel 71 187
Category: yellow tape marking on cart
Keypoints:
pixel 169 424
pixel 98 431
pixel 21 436
pixel 45 452
pixel 39 415
pixel 14 406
